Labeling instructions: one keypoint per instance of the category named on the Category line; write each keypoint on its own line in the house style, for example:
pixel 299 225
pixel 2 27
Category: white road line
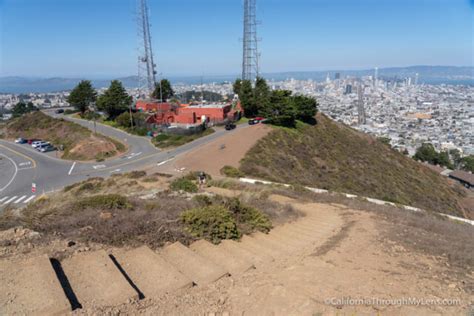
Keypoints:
pixel 163 162
pixel 20 199
pixel 14 175
pixel 3 199
pixel 72 167
pixel 29 199
pixel 9 200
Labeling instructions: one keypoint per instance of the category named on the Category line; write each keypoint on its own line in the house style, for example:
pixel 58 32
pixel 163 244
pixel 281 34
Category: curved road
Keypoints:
pixel 21 165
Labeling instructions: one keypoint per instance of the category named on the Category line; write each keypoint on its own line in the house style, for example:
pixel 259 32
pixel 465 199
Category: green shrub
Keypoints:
pixel 211 222
pixel 184 184
pixel 248 218
pixel 106 202
pixel 203 200
pixel 231 172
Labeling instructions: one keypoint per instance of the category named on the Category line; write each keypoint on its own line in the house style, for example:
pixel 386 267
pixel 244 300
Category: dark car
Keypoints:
pixel 21 141
pixel 59 111
pixel 230 126
pixel 253 121
pixel 47 148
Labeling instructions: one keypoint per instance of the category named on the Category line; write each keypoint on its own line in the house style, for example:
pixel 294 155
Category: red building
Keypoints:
pixel 166 113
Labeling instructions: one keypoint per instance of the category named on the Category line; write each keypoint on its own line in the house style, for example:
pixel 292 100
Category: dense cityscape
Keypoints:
pixel 408 113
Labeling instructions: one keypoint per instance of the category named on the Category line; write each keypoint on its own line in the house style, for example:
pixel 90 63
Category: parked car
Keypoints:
pixel 32 140
pixel 21 141
pixel 230 126
pixel 47 148
pixel 39 144
pixel 59 111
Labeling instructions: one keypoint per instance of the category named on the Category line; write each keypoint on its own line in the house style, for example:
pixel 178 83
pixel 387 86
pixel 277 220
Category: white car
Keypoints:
pixel 39 144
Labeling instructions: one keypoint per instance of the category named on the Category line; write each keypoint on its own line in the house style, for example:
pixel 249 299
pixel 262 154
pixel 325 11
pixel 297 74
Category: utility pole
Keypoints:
pixel 250 58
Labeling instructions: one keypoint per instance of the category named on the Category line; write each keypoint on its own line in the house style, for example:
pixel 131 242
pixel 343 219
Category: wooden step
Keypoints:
pixel 151 274
pixel 264 239
pixel 197 268
pixel 96 280
pixel 267 250
pixel 234 264
pixel 31 287
pixel 234 248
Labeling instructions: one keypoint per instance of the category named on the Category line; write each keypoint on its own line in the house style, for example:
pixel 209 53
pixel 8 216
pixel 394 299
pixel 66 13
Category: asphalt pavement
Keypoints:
pixel 26 173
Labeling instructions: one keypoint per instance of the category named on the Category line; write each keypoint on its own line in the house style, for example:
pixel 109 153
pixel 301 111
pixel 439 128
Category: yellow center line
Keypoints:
pixel 20 154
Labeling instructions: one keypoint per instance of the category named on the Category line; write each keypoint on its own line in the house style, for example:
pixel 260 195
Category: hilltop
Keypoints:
pixel 335 157
pixel 79 143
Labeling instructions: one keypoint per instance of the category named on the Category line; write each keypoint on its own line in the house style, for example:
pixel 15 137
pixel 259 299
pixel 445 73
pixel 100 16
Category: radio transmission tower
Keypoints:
pixel 250 62
pixel 146 66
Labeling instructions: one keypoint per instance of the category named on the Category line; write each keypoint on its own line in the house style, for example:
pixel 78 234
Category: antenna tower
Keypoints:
pixel 146 66
pixel 250 62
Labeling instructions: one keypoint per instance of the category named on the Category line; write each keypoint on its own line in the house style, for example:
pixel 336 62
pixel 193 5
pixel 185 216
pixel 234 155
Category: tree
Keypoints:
pixel 21 108
pixel 428 153
pixel 306 108
pixel 115 100
pixel 261 95
pixel 82 96
pixel 246 99
pixel 167 92
pixel 467 163
pixel 237 85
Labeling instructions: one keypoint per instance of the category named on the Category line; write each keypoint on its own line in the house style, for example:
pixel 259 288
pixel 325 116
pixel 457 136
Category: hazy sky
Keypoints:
pixel 97 38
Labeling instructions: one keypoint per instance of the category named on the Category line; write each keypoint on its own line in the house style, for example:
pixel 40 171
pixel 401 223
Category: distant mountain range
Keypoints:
pixel 427 74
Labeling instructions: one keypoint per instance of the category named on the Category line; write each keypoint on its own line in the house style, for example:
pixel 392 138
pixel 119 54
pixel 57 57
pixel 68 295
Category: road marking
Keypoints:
pixel 8 201
pixel 3 199
pixel 99 167
pixel 14 175
pixel 27 163
pixel 29 199
pixel 163 162
pixel 18 153
pixel 72 167
pixel 20 199
pixel 116 170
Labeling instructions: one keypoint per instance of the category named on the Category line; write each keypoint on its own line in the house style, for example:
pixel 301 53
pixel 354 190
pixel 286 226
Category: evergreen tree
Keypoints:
pixel 21 108
pixel 247 100
pixel 261 95
pixel 115 100
pixel 167 93
pixel 82 96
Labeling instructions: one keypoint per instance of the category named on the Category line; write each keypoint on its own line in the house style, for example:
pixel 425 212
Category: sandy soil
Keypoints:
pixel 356 261
pixel 227 150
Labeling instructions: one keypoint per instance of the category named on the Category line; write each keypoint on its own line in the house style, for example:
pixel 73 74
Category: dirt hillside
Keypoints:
pixel 79 143
pixel 335 157
pixel 227 150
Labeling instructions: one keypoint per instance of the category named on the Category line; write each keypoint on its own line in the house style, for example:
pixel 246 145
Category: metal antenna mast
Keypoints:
pixel 146 66
pixel 250 62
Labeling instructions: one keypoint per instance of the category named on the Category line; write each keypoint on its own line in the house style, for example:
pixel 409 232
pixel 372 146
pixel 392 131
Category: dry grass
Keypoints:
pixel 335 157
pixel 78 142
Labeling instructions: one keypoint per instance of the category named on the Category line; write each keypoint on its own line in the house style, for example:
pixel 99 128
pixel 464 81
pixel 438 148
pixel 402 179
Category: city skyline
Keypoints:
pixel 202 38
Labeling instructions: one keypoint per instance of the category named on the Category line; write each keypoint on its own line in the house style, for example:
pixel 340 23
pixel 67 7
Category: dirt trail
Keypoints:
pixel 227 150
pixel 306 268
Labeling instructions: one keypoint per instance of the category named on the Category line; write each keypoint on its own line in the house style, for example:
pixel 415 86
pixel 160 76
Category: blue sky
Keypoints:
pixel 97 38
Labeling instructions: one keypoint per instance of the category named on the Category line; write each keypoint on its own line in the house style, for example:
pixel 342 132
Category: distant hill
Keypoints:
pixel 427 74
pixel 335 157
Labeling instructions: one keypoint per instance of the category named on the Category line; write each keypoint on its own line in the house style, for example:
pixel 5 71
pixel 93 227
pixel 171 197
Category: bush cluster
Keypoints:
pixel 104 202
pixel 231 172
pixel 184 184
pixel 218 218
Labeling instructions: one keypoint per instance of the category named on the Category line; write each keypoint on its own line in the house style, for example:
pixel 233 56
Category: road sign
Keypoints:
pixel 33 187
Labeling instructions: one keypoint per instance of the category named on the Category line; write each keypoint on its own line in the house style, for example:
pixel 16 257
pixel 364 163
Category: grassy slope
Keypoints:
pixel 58 132
pixel 335 157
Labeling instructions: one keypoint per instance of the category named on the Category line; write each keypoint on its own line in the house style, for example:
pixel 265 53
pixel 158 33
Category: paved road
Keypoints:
pixel 21 165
